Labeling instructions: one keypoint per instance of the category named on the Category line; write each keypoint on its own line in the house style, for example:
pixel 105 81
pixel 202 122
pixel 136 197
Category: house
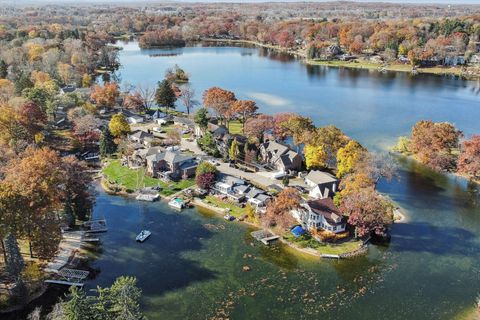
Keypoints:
pixel 323 184
pixel 454 60
pixel 280 156
pixel 320 214
pixel 141 137
pixel 139 156
pixel 171 164
pixel 184 122
pixel 135 119
pixel 232 187
pixel 257 197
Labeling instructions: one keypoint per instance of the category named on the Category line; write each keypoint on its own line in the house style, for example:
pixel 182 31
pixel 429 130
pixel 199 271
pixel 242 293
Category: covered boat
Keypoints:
pixel 143 235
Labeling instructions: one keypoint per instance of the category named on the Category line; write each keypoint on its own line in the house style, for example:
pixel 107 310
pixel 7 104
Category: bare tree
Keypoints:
pixel 187 96
pixel 147 94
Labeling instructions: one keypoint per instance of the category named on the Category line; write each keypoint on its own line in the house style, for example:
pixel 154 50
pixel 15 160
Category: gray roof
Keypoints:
pixel 170 157
pixel 231 180
pixel 185 121
pixel 254 192
pixel 241 188
pixel 320 177
pixel 275 148
pixel 140 134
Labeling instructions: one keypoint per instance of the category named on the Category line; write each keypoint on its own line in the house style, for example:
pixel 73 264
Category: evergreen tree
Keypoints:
pixel 165 96
pixel 19 292
pixel 15 263
pixel 201 118
pixel 107 145
pixel 78 306
pixel 3 69
pixel 125 297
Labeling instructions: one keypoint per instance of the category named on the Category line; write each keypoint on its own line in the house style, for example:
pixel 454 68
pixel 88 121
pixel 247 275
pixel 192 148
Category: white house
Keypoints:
pixel 135 119
pixel 323 185
pixel 320 214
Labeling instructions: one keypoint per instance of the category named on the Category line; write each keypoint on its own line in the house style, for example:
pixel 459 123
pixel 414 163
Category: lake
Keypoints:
pixel 191 267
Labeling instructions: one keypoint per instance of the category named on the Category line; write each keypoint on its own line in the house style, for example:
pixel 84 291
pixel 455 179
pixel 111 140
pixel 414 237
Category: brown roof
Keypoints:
pixel 326 208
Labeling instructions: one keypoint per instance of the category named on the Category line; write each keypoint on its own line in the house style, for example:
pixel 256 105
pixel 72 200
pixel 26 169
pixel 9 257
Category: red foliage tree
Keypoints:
pixel 469 159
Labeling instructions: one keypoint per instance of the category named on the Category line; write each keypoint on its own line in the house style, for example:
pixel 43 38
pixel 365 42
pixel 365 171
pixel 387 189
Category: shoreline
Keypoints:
pixel 362 64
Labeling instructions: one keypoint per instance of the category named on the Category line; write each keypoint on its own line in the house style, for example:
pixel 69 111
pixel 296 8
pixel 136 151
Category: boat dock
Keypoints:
pixel 266 237
pixel 92 226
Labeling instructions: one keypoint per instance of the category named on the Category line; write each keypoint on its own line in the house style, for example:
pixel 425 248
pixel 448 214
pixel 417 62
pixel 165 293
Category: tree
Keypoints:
pixel 165 96
pixel 85 130
pixel 201 118
pixel 233 151
pixel 38 181
pixel 220 100
pixel 315 157
pixel 147 94
pixel 86 80
pixel 256 127
pixel 278 210
pixel 14 264
pixel 433 144
pixel 207 143
pixel 299 128
pixel 7 90
pixel 348 157
pixel 245 108
pixel 23 82
pixel 65 72
pixel 105 96
pixel 38 95
pixel 77 181
pixel 469 159
pixel 125 296
pixel 187 96
pixel 119 126
pixel 368 212
pixel 3 69
pixel 78 306
pixel 331 139
pixel 106 144
pixel 134 101
pixel 205 175
pixel 32 118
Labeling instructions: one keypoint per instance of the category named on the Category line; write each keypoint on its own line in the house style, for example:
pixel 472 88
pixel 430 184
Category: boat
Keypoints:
pixel 177 203
pixel 142 236
pixel 228 217
pixel 147 197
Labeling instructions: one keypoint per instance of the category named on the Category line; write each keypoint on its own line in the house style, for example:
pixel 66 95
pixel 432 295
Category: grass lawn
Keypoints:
pixel 326 248
pixel 235 210
pixel 131 179
pixel 235 127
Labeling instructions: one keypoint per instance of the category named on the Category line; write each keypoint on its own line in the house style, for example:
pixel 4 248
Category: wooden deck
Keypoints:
pixel 264 236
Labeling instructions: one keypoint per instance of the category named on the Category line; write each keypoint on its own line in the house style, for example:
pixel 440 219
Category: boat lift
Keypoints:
pixel 70 277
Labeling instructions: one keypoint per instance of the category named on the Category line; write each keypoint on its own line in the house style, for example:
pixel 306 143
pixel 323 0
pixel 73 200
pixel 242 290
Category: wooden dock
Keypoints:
pixel 264 236
pixel 70 277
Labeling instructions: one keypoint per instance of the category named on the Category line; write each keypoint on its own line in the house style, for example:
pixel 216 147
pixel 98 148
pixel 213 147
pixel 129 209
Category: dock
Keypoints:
pixel 92 226
pixel 264 236
pixel 70 277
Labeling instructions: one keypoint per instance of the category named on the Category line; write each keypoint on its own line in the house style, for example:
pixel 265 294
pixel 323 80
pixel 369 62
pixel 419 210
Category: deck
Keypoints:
pixel 264 236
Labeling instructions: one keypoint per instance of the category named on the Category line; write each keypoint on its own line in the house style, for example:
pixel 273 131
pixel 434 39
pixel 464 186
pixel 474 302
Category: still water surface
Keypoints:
pixel 191 267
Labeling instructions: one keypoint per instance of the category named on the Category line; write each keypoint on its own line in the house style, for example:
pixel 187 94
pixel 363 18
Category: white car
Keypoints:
pixel 159 130
pixel 214 162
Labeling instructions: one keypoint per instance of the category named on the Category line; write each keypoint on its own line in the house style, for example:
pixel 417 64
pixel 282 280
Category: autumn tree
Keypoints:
pixel 219 100
pixel 165 96
pixel 469 159
pixel 245 108
pixel 205 175
pixel 433 144
pixel 3 69
pixel 315 157
pixel 32 118
pixel 119 126
pixel 105 96
pixel 331 139
pixel 368 212
pixel 348 157
pixel 37 178
pixel 256 127
pixel 85 130
pixel 233 151
pixel 134 102
pixel 299 128
pixel 278 210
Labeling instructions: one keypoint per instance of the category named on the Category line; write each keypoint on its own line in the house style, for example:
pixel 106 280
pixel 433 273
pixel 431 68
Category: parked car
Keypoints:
pixel 214 162
pixel 158 130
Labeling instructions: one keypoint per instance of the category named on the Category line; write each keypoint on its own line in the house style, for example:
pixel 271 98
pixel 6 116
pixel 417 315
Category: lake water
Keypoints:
pixel 191 267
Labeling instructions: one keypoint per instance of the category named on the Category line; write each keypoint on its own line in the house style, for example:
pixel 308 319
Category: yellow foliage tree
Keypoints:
pixel 348 157
pixel 64 71
pixel 86 80
pixel 119 126
pixel 315 156
pixel 7 90
pixel 39 77
pixel 35 52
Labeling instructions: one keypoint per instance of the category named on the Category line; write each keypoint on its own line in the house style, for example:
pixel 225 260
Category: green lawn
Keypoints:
pixel 132 179
pixel 306 241
pixel 235 127
pixel 235 210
